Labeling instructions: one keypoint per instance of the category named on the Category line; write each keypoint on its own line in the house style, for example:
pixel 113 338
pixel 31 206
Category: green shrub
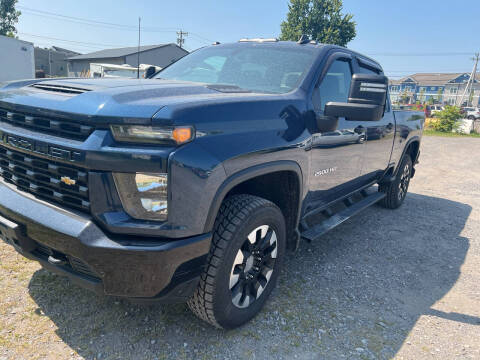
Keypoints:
pixel 447 119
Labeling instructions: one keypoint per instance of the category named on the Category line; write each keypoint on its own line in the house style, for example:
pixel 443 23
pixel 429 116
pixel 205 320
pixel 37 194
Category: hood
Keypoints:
pixel 109 100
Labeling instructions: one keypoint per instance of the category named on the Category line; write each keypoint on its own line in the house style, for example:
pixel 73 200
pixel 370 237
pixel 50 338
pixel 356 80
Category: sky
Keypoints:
pixel 406 36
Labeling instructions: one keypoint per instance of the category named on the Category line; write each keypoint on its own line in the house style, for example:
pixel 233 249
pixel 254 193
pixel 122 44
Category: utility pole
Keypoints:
pixel 181 38
pixel 471 80
pixel 49 63
pixel 138 50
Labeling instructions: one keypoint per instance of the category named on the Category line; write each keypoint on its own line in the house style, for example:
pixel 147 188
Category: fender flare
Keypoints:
pixel 415 138
pixel 247 174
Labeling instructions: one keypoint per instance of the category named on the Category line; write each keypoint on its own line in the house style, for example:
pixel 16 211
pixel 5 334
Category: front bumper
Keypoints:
pixel 71 244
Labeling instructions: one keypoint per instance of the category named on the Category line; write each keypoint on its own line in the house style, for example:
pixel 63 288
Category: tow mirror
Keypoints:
pixel 151 70
pixel 366 101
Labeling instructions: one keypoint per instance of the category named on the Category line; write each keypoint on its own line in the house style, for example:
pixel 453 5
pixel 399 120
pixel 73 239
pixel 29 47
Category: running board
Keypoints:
pixel 317 231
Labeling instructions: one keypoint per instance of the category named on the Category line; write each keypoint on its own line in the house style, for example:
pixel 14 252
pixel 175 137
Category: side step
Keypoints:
pixel 317 231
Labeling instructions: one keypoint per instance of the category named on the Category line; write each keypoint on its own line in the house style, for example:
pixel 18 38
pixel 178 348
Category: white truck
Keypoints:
pixel 123 71
pixel 17 59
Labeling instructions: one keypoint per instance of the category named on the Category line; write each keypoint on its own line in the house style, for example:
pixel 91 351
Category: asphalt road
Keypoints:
pixel 386 284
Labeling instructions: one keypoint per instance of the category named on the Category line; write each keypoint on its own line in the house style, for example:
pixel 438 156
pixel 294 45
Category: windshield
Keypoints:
pixel 258 69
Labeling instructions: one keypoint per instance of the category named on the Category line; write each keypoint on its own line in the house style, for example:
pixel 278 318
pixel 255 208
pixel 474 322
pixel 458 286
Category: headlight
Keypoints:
pixel 153 135
pixel 143 196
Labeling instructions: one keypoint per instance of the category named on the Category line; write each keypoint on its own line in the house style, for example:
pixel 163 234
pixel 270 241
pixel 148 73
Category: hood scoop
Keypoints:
pixel 67 90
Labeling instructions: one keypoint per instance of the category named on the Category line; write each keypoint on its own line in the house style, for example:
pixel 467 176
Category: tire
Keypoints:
pixel 396 191
pixel 471 117
pixel 216 299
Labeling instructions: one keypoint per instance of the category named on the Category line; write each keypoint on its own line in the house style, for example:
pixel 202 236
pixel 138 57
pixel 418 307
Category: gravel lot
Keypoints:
pixel 398 284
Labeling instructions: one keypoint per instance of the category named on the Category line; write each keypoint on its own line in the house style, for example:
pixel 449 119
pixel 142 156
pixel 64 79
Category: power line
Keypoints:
pixel 422 54
pixel 108 25
pixel 89 21
pixel 71 41
pixel 115 26
pixel 202 38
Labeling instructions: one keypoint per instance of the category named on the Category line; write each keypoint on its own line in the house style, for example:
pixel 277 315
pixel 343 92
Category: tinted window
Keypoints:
pixel 335 86
pixel 256 68
pixel 368 70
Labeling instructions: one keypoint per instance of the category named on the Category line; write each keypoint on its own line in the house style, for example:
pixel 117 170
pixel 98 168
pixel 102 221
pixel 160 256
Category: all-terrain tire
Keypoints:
pixel 396 191
pixel 238 217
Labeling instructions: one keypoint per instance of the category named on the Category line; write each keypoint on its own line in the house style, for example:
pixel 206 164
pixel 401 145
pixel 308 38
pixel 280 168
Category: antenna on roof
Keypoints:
pixel 138 50
pixel 304 39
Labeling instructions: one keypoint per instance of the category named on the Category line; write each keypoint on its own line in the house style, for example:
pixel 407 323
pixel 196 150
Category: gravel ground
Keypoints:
pixel 386 284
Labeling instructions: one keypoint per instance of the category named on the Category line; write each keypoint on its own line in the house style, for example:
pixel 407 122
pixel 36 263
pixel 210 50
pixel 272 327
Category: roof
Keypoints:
pixel 119 52
pixel 438 79
pixel 8 38
pixel 59 49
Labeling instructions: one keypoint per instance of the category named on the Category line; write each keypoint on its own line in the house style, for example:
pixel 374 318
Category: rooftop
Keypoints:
pixel 118 52
pixel 431 78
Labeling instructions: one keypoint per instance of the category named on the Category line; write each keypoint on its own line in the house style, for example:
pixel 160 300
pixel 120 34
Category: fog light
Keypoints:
pixel 143 196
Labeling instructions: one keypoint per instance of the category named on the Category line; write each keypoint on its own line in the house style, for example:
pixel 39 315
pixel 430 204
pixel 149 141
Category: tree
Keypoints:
pixel 447 119
pixel 8 17
pixel 404 97
pixel 422 96
pixel 322 20
pixel 439 94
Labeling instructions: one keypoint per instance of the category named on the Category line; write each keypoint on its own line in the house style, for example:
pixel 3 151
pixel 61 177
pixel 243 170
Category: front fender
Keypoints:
pixel 247 174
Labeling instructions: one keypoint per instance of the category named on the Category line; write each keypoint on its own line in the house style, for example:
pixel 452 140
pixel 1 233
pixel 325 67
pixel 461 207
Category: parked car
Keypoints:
pixel 434 109
pixel 195 185
pixel 471 113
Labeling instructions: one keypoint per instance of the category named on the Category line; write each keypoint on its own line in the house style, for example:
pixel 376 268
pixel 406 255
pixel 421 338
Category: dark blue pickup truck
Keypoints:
pixel 193 185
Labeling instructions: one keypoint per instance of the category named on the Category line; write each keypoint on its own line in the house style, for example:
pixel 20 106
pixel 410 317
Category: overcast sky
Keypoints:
pixel 405 36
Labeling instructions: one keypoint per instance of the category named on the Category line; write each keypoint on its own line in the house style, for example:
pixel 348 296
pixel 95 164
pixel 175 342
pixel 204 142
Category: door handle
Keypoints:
pixel 359 129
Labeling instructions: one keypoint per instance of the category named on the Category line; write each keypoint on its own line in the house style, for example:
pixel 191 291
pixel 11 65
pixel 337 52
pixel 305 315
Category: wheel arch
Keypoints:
pixel 412 147
pixel 254 181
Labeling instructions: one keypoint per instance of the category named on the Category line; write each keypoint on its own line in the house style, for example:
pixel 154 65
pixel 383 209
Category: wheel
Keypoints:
pixel 243 264
pixel 471 117
pixel 397 190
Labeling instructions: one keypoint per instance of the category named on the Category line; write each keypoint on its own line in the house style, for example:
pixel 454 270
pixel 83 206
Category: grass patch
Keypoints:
pixel 448 134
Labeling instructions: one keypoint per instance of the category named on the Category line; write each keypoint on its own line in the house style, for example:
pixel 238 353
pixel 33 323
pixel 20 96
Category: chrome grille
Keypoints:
pixel 53 126
pixel 46 179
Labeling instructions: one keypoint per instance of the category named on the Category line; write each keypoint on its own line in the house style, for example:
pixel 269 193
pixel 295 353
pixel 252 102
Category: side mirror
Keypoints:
pixel 356 112
pixel 151 70
pixel 366 101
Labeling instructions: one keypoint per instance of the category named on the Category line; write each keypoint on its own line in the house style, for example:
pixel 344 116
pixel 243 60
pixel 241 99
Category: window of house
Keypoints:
pixel 335 86
pixel 423 88
pixel 453 90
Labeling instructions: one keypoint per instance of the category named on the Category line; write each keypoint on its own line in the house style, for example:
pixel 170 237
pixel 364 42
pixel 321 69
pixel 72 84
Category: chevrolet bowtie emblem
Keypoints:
pixel 67 180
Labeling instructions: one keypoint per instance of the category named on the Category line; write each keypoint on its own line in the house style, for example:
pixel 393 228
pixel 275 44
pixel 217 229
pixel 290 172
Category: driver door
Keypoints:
pixel 338 145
